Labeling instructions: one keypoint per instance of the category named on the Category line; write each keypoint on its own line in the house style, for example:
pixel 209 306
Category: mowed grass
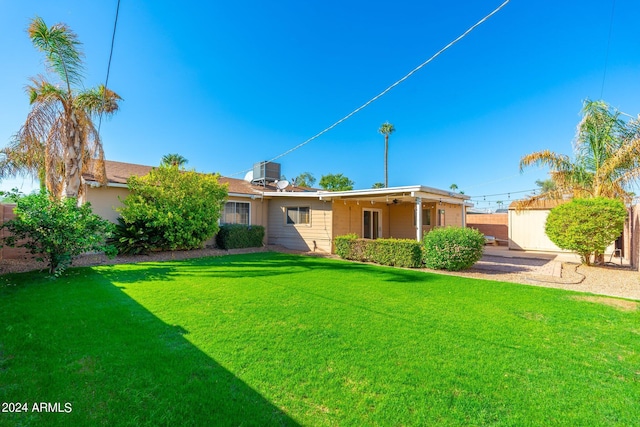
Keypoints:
pixel 275 339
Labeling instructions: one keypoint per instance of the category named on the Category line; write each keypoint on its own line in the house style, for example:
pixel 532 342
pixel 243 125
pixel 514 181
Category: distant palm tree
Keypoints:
pixel 59 142
pixel 378 185
pixel 386 129
pixel 174 160
pixel 453 187
pixel 607 158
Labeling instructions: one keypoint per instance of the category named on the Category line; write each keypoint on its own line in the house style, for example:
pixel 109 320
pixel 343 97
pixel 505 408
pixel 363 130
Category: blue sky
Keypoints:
pixel 228 84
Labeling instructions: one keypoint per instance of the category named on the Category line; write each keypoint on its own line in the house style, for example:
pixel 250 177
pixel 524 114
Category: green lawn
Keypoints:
pixel 275 339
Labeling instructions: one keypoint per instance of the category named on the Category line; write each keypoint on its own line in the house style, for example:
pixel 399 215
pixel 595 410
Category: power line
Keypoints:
pixel 375 98
pixel 113 38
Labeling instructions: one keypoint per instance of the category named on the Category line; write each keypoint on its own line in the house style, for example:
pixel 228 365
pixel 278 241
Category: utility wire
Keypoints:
pixel 113 38
pixel 375 98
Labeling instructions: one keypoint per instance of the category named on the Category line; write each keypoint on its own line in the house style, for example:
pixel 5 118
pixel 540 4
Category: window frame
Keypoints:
pixel 296 220
pixel 235 214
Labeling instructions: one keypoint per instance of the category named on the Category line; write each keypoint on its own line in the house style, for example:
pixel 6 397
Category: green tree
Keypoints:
pixel 305 179
pixel 178 209
pixel 378 185
pixel 586 226
pixel 386 129
pixel 174 160
pixel 57 230
pixel 453 187
pixel 336 182
pixel 59 142
pixel 546 186
pixel 606 161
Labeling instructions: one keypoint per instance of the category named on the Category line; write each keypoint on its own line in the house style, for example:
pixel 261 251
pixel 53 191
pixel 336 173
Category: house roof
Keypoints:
pixel 117 174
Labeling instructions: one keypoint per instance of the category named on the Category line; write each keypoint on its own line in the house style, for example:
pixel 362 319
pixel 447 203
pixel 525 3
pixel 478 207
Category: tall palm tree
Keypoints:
pixel 174 160
pixel 59 142
pixel 607 158
pixel 386 129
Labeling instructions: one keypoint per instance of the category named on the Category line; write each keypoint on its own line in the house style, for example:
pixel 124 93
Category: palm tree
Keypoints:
pixel 386 129
pixel 59 142
pixel 607 158
pixel 453 187
pixel 174 160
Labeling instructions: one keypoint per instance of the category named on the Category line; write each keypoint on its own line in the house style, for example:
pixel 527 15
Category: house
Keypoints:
pixel 308 219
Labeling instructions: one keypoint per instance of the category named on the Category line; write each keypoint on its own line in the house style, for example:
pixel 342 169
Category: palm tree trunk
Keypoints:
pixel 386 154
pixel 72 158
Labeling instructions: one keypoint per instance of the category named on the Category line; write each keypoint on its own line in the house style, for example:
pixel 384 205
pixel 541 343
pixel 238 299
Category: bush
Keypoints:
pixel 180 207
pixel 452 248
pixel 235 236
pixel 344 245
pixel 586 226
pixel 395 252
pixel 57 230
pixel 137 238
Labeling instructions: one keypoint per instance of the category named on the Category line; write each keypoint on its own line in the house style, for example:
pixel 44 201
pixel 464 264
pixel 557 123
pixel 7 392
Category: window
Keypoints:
pixel 236 213
pixel 298 215
pixel 426 217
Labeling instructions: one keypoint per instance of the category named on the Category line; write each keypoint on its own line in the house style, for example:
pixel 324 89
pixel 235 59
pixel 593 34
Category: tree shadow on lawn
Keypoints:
pixel 119 364
pixel 262 264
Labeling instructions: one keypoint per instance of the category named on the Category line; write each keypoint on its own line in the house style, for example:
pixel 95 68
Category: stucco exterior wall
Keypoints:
pixel 495 224
pixel 316 236
pixel 104 201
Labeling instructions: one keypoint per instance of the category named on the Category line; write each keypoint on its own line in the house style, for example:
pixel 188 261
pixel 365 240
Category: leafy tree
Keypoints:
pixel 178 209
pixel 386 129
pixel 546 186
pixel 586 226
pixel 453 187
pixel 336 182
pixel 57 230
pixel 175 160
pixel 59 142
pixel 305 179
pixel 606 161
pixel 378 185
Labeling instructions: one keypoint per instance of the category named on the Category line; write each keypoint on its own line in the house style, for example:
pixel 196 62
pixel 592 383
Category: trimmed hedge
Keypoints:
pixel 452 248
pixel 394 252
pixel 236 236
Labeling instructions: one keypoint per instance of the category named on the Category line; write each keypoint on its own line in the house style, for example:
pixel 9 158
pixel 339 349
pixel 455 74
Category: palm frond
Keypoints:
pixel 61 48
pixel 99 100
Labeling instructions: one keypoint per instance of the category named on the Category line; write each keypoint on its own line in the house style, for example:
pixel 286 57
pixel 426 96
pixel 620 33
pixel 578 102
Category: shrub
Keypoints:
pixel 136 238
pixel 235 236
pixel 182 207
pixel 344 245
pixel 452 248
pixel 57 230
pixel 586 226
pixel 395 252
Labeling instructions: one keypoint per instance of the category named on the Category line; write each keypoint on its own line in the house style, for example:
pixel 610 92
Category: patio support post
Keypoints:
pixel 419 219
